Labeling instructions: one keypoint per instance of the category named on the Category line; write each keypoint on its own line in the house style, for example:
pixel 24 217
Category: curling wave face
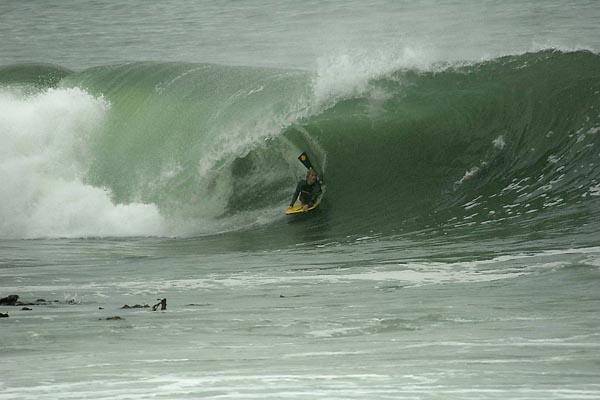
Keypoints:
pixel 186 149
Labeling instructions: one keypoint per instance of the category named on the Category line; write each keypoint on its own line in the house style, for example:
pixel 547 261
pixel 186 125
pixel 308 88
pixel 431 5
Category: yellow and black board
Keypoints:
pixel 298 208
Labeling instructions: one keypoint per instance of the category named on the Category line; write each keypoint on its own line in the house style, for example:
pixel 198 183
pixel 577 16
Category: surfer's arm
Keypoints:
pixel 296 193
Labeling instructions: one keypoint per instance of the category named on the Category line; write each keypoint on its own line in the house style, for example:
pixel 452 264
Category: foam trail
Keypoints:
pixel 44 156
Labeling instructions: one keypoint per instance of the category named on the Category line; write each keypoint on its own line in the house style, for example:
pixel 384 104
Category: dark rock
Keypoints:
pixel 281 296
pixel 9 300
pixel 115 318
pixel 100 308
pixel 3 315
pixel 162 304
pixel 26 309
pixel 126 306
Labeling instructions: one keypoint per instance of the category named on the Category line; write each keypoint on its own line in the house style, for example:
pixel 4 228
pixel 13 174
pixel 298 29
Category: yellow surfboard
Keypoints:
pixel 298 208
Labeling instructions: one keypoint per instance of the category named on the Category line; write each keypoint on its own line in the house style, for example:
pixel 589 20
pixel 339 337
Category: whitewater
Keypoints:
pixel 148 152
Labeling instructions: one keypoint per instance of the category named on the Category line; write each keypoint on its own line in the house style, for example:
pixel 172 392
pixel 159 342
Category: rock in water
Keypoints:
pixel 127 306
pixel 9 300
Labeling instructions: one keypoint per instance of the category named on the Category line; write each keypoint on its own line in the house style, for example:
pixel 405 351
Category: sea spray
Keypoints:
pixel 45 158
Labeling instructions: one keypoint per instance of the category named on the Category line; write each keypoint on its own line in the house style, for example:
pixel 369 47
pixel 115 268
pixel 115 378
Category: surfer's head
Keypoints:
pixel 311 176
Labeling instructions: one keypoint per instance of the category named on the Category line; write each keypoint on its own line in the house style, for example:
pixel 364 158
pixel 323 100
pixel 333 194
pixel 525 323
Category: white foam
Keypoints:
pixel 594 190
pixel 347 73
pixel 45 150
pixel 499 142
pixel 470 174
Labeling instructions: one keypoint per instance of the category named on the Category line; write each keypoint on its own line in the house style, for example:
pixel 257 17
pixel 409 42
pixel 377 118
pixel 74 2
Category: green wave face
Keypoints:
pixel 503 145
pixel 506 143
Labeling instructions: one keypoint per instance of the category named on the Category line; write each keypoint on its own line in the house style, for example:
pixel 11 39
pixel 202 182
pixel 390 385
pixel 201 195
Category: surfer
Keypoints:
pixel 309 190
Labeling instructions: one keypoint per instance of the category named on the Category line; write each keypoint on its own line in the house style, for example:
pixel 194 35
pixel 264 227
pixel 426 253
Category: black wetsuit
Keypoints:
pixel 308 193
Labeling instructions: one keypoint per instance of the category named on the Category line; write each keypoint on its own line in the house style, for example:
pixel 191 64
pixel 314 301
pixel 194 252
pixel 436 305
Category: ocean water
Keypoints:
pixel 147 151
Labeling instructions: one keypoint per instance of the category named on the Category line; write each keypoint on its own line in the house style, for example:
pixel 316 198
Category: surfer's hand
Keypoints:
pixel 305 207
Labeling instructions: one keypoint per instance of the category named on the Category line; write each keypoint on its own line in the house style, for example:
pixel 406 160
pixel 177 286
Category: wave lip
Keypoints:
pixel 38 75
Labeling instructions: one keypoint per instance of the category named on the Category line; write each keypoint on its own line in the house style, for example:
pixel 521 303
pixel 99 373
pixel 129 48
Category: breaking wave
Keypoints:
pixel 149 149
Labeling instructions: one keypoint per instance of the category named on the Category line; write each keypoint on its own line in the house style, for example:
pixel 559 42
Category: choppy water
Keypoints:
pixel 147 151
